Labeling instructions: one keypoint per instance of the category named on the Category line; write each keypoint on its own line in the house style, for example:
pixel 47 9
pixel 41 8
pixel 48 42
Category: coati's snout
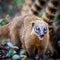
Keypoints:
pixel 40 29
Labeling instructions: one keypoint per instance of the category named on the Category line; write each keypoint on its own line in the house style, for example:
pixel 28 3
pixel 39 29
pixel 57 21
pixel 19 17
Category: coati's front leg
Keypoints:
pixel 14 36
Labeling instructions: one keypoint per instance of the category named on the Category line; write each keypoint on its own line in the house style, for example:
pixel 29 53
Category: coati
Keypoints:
pixel 30 31
pixel 49 8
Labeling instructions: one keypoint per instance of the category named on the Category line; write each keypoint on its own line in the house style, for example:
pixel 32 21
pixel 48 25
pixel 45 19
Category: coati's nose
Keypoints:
pixel 42 35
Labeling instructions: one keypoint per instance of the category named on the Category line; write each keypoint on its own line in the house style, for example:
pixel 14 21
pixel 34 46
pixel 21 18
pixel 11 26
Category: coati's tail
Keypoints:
pixel 4 32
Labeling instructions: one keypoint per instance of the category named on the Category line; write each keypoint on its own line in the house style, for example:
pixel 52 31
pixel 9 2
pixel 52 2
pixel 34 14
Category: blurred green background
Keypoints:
pixel 10 7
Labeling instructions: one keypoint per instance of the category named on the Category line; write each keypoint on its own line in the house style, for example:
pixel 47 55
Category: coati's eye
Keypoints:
pixel 33 24
pixel 37 30
pixel 45 30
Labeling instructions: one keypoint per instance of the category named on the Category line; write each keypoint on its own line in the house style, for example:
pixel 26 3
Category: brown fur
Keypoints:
pixel 20 31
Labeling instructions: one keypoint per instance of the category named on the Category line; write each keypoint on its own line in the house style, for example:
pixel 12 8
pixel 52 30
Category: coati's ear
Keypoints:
pixel 32 23
pixel 28 19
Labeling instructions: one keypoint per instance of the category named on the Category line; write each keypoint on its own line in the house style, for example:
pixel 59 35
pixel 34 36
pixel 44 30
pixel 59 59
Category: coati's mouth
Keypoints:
pixel 41 37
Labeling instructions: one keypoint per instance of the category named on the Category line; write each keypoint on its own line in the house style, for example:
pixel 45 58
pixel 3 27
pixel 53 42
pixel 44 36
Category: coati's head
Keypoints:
pixel 36 27
pixel 39 28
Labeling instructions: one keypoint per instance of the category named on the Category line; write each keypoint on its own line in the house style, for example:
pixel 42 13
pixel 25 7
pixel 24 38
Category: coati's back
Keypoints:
pixel 4 32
